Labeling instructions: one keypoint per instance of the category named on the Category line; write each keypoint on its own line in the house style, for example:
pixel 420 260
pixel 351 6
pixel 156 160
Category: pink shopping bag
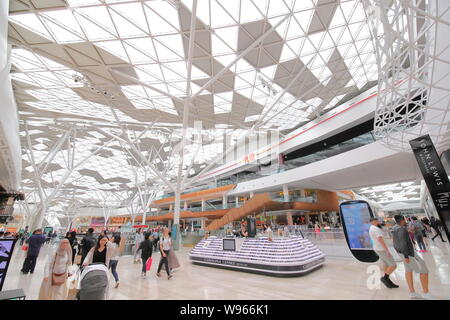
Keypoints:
pixel 148 265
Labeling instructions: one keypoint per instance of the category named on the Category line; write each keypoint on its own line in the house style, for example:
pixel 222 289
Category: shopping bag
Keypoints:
pixel 148 265
pixel 25 247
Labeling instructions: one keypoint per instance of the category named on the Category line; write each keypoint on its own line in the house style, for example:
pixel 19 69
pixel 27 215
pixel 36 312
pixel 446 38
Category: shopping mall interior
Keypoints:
pixel 224 149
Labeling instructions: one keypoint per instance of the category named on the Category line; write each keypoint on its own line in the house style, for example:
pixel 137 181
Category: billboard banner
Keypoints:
pixel 6 251
pixel 435 177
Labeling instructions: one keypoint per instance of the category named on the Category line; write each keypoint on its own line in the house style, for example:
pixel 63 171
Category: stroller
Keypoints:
pixel 93 283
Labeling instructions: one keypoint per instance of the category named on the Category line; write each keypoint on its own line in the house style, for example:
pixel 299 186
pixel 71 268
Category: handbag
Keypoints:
pixel 58 278
pixel 148 264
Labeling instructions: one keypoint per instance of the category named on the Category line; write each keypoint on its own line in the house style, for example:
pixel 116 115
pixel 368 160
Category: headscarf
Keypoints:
pixel 61 251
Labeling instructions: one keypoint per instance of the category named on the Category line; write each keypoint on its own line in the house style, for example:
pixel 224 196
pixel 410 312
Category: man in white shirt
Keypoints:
pixel 381 249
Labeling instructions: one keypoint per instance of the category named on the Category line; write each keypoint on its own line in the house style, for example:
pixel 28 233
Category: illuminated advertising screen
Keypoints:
pixel 357 222
pixel 6 251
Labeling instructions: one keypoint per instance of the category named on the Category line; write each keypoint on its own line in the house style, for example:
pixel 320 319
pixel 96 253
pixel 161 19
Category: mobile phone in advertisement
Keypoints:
pixel 355 217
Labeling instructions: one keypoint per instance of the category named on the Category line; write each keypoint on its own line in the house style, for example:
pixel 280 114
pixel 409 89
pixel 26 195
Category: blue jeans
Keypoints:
pixel 113 266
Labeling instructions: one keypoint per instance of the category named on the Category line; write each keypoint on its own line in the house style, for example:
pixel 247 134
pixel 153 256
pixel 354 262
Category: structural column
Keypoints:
pixel 225 202
pixel 203 205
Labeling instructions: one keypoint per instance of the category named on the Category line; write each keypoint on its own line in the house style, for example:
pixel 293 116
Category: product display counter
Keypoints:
pixel 290 256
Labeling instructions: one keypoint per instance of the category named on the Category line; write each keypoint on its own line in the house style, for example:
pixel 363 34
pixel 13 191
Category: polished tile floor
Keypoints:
pixel 339 278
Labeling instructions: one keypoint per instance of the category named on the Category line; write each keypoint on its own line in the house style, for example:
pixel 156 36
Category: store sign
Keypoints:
pixel 435 177
pixel 140 226
pixel 6 251
pixel 96 222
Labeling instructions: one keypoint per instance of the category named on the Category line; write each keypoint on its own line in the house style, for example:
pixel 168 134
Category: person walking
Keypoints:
pixel 56 272
pixel 381 249
pixel 165 243
pixel 146 248
pixel 86 244
pixel 417 228
pixel 172 257
pixel 138 239
pixel 436 226
pixel 413 263
pixel 115 248
pixel 101 253
pixel 155 236
pixel 35 243
pixel 72 237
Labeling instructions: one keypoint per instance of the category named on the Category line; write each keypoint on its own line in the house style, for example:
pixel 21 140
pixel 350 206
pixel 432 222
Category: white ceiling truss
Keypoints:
pixel 130 70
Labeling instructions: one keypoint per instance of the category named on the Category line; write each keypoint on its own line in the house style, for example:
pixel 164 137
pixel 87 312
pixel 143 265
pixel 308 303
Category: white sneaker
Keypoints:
pixel 428 296
pixel 414 295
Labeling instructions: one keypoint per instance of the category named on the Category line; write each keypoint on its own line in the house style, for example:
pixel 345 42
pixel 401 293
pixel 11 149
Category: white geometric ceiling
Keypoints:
pixel 397 192
pixel 319 54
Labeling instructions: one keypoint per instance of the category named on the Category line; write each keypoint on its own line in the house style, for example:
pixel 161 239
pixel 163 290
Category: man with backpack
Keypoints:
pixel 412 262
pixel 86 244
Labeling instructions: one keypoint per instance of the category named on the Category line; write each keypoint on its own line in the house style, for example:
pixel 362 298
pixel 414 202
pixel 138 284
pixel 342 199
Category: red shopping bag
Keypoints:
pixel 25 247
pixel 148 265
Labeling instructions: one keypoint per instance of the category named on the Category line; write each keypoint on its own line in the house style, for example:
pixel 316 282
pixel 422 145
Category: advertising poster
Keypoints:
pixel 357 223
pixel 6 251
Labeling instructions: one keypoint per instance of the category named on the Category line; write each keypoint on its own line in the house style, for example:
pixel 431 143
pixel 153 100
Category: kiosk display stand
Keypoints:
pixel 290 256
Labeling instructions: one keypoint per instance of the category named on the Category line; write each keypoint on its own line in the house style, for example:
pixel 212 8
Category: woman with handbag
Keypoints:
pixel 146 248
pixel 56 272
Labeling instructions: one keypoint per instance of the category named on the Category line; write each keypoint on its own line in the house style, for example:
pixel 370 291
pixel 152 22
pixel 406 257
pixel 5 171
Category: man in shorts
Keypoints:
pixel 413 263
pixel 381 249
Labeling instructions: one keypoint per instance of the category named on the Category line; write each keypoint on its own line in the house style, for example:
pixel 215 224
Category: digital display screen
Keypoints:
pixel 229 244
pixel 357 223
pixel 6 250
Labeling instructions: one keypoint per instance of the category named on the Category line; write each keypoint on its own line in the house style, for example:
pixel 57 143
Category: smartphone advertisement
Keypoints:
pixel 355 216
pixel 357 221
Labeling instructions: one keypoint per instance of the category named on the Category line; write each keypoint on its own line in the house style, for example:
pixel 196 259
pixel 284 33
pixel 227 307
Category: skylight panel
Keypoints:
pixel 99 15
pixel 114 47
pixel 142 104
pixel 307 47
pixel 277 8
pixel 358 13
pixel 294 30
pixel 143 44
pixel 124 27
pixel 170 75
pixel 249 12
pixel 31 22
pixel 136 56
pixel 157 24
pixel 62 35
pixel 76 3
pixel 94 31
pixel 163 51
pixel 24 65
pixel 231 6
pixel 338 18
pixel 133 11
pixel 221 16
pixel 227 59
pixel 63 18
pixel 218 46
pixel 52 65
pixel 304 18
